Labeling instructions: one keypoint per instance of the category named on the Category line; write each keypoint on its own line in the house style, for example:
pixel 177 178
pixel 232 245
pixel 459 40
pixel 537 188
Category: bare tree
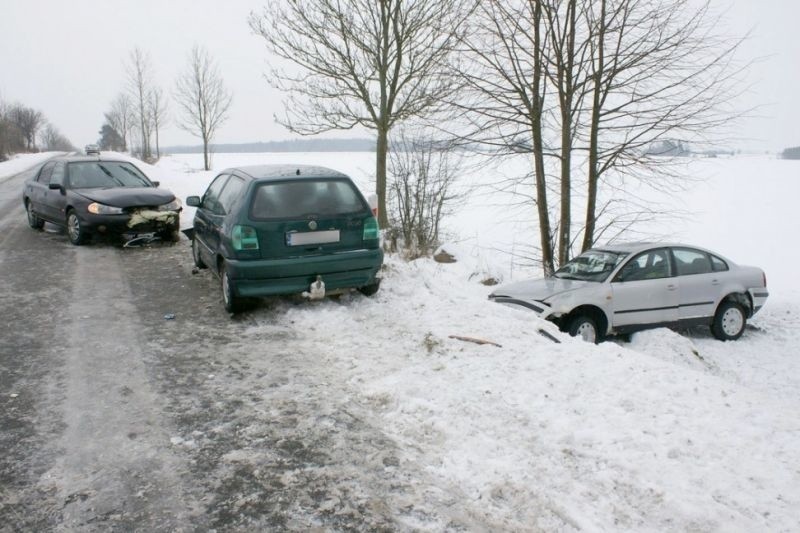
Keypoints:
pixel 422 177
pixel 52 140
pixel 505 94
pixel 121 118
pixel 590 84
pixel 658 69
pixel 139 89
pixel 28 121
pixel 202 99
pixel 370 63
pixel 158 115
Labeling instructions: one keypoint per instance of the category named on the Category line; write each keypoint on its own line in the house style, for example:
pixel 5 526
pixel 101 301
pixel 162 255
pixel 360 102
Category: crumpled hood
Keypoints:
pixel 537 289
pixel 128 196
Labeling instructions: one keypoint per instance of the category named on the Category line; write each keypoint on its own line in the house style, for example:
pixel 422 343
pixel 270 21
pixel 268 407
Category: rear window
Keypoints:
pixel 102 174
pixel 301 198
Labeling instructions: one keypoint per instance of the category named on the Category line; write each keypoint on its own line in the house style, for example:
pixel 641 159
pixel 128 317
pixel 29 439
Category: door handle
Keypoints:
pixel 714 282
pixel 671 287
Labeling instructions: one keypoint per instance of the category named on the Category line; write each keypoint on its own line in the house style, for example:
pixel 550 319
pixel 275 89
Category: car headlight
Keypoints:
pixel 174 205
pixel 102 209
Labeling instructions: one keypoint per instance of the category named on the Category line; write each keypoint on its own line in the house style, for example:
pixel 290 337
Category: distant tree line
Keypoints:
pixel 791 153
pixel 24 129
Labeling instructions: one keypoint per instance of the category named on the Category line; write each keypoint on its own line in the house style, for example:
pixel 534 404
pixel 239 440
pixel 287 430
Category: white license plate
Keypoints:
pixel 312 237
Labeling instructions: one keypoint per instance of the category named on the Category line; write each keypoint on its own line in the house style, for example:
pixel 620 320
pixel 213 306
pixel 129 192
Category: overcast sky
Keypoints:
pixel 67 58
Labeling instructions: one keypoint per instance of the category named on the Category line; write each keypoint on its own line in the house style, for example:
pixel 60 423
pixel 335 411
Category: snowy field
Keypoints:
pixel 670 432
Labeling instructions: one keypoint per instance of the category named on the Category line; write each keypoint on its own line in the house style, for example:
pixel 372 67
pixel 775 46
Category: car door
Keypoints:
pixel 55 200
pixel 208 219
pixel 699 284
pixel 37 189
pixel 644 290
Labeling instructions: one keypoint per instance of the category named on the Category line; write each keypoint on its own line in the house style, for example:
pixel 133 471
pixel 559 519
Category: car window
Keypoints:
pixel 689 262
pixel 653 264
pixel 593 265
pixel 300 198
pixel 45 173
pixel 58 173
pixel 211 197
pixel 718 265
pixel 105 174
pixel 230 193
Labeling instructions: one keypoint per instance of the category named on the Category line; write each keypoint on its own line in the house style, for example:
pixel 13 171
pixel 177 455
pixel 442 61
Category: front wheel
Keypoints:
pixel 198 261
pixel 232 303
pixel 729 322
pixel 584 327
pixel 75 232
pixel 33 221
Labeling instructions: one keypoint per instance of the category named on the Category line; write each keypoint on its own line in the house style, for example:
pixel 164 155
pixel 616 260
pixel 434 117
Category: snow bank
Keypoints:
pixel 21 162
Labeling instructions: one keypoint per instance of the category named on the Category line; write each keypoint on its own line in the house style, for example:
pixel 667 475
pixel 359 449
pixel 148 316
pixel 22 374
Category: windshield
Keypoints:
pixel 594 265
pixel 105 174
pixel 300 198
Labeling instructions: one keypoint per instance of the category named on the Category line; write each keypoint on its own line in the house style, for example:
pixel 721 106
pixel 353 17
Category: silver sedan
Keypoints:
pixel 626 288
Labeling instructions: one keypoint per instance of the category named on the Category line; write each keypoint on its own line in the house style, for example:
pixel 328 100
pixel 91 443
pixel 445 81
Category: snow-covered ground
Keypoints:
pixel 670 432
pixel 21 162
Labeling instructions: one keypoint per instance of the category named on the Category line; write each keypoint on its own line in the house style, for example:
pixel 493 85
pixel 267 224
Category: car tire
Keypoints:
pixel 729 321
pixel 173 234
pixel 33 221
pixel 371 289
pixel 198 261
pixel 584 326
pixel 232 303
pixel 75 232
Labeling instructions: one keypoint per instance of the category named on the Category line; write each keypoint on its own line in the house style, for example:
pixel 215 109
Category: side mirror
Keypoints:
pixel 156 183
pixel 55 187
pixel 193 201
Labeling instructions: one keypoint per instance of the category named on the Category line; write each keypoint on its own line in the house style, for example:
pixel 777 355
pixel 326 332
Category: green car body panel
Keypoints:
pixel 283 247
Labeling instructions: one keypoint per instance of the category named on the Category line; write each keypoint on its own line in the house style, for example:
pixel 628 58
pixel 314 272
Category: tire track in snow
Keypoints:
pixel 115 468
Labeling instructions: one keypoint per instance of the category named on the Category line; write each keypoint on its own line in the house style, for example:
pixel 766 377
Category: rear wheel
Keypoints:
pixel 729 322
pixel 33 221
pixel 233 304
pixel 75 232
pixel 584 327
pixel 372 288
pixel 198 261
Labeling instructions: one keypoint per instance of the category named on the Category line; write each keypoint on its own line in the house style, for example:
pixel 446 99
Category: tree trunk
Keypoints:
pixel 205 153
pixel 380 175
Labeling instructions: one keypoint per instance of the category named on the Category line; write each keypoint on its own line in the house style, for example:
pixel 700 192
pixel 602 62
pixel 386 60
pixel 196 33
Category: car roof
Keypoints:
pixel 89 158
pixel 635 247
pixel 282 172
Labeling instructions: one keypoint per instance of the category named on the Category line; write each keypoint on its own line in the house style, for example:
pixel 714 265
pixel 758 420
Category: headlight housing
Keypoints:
pixel 102 209
pixel 174 205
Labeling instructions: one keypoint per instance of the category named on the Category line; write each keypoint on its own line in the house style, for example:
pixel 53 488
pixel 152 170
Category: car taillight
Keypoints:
pixel 244 238
pixel 371 230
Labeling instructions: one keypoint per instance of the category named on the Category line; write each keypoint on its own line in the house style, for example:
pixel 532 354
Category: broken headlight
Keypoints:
pixel 174 205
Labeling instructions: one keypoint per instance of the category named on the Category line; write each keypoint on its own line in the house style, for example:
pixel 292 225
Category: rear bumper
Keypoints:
pixel 759 298
pixel 255 278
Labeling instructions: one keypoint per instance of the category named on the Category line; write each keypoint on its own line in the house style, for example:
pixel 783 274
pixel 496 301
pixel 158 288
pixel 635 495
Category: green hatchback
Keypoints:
pixel 275 230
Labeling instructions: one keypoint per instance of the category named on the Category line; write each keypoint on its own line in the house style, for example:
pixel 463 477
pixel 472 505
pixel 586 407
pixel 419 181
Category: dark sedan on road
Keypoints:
pixel 91 195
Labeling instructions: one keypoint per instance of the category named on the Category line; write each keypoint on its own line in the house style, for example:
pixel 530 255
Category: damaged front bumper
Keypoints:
pixel 541 309
pixel 137 221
